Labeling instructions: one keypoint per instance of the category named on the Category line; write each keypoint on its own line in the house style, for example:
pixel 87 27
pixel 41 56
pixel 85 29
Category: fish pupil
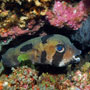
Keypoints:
pixel 59 48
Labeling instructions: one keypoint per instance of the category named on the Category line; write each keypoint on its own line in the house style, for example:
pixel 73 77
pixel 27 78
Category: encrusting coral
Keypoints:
pixel 25 78
pixel 18 12
pixel 22 78
pixel 64 14
pixel 17 17
pixel 22 15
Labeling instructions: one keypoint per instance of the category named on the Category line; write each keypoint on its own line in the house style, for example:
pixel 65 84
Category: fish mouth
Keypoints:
pixel 76 58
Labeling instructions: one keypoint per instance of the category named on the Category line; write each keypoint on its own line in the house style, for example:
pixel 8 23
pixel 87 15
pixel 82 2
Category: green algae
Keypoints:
pixel 23 57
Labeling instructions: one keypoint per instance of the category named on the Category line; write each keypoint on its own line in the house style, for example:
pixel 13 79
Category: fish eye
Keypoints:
pixel 60 48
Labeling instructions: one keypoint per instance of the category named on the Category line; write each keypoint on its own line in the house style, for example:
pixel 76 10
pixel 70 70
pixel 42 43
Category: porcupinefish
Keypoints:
pixel 56 50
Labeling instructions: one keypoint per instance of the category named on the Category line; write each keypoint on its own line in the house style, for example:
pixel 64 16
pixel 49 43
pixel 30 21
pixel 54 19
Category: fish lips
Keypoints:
pixel 76 57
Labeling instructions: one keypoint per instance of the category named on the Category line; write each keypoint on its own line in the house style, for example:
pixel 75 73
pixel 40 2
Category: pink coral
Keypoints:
pixel 65 14
pixel 82 80
pixel 35 25
pixel 87 87
pixel 15 31
pixel 32 27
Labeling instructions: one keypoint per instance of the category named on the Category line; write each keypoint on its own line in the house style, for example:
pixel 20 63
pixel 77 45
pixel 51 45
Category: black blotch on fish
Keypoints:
pixel 43 57
pixel 56 60
pixel 44 39
pixel 26 47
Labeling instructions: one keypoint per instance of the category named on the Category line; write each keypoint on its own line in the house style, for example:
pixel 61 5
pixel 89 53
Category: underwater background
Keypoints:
pixel 23 20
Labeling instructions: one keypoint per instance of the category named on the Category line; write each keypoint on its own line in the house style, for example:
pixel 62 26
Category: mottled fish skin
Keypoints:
pixel 56 50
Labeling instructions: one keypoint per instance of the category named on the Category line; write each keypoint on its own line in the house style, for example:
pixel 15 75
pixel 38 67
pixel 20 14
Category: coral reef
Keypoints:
pixel 64 14
pixel 14 31
pixel 19 17
pixel 35 25
pixel 24 78
pixel 7 35
pixel 32 7
pixel 18 12
pixel 15 15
